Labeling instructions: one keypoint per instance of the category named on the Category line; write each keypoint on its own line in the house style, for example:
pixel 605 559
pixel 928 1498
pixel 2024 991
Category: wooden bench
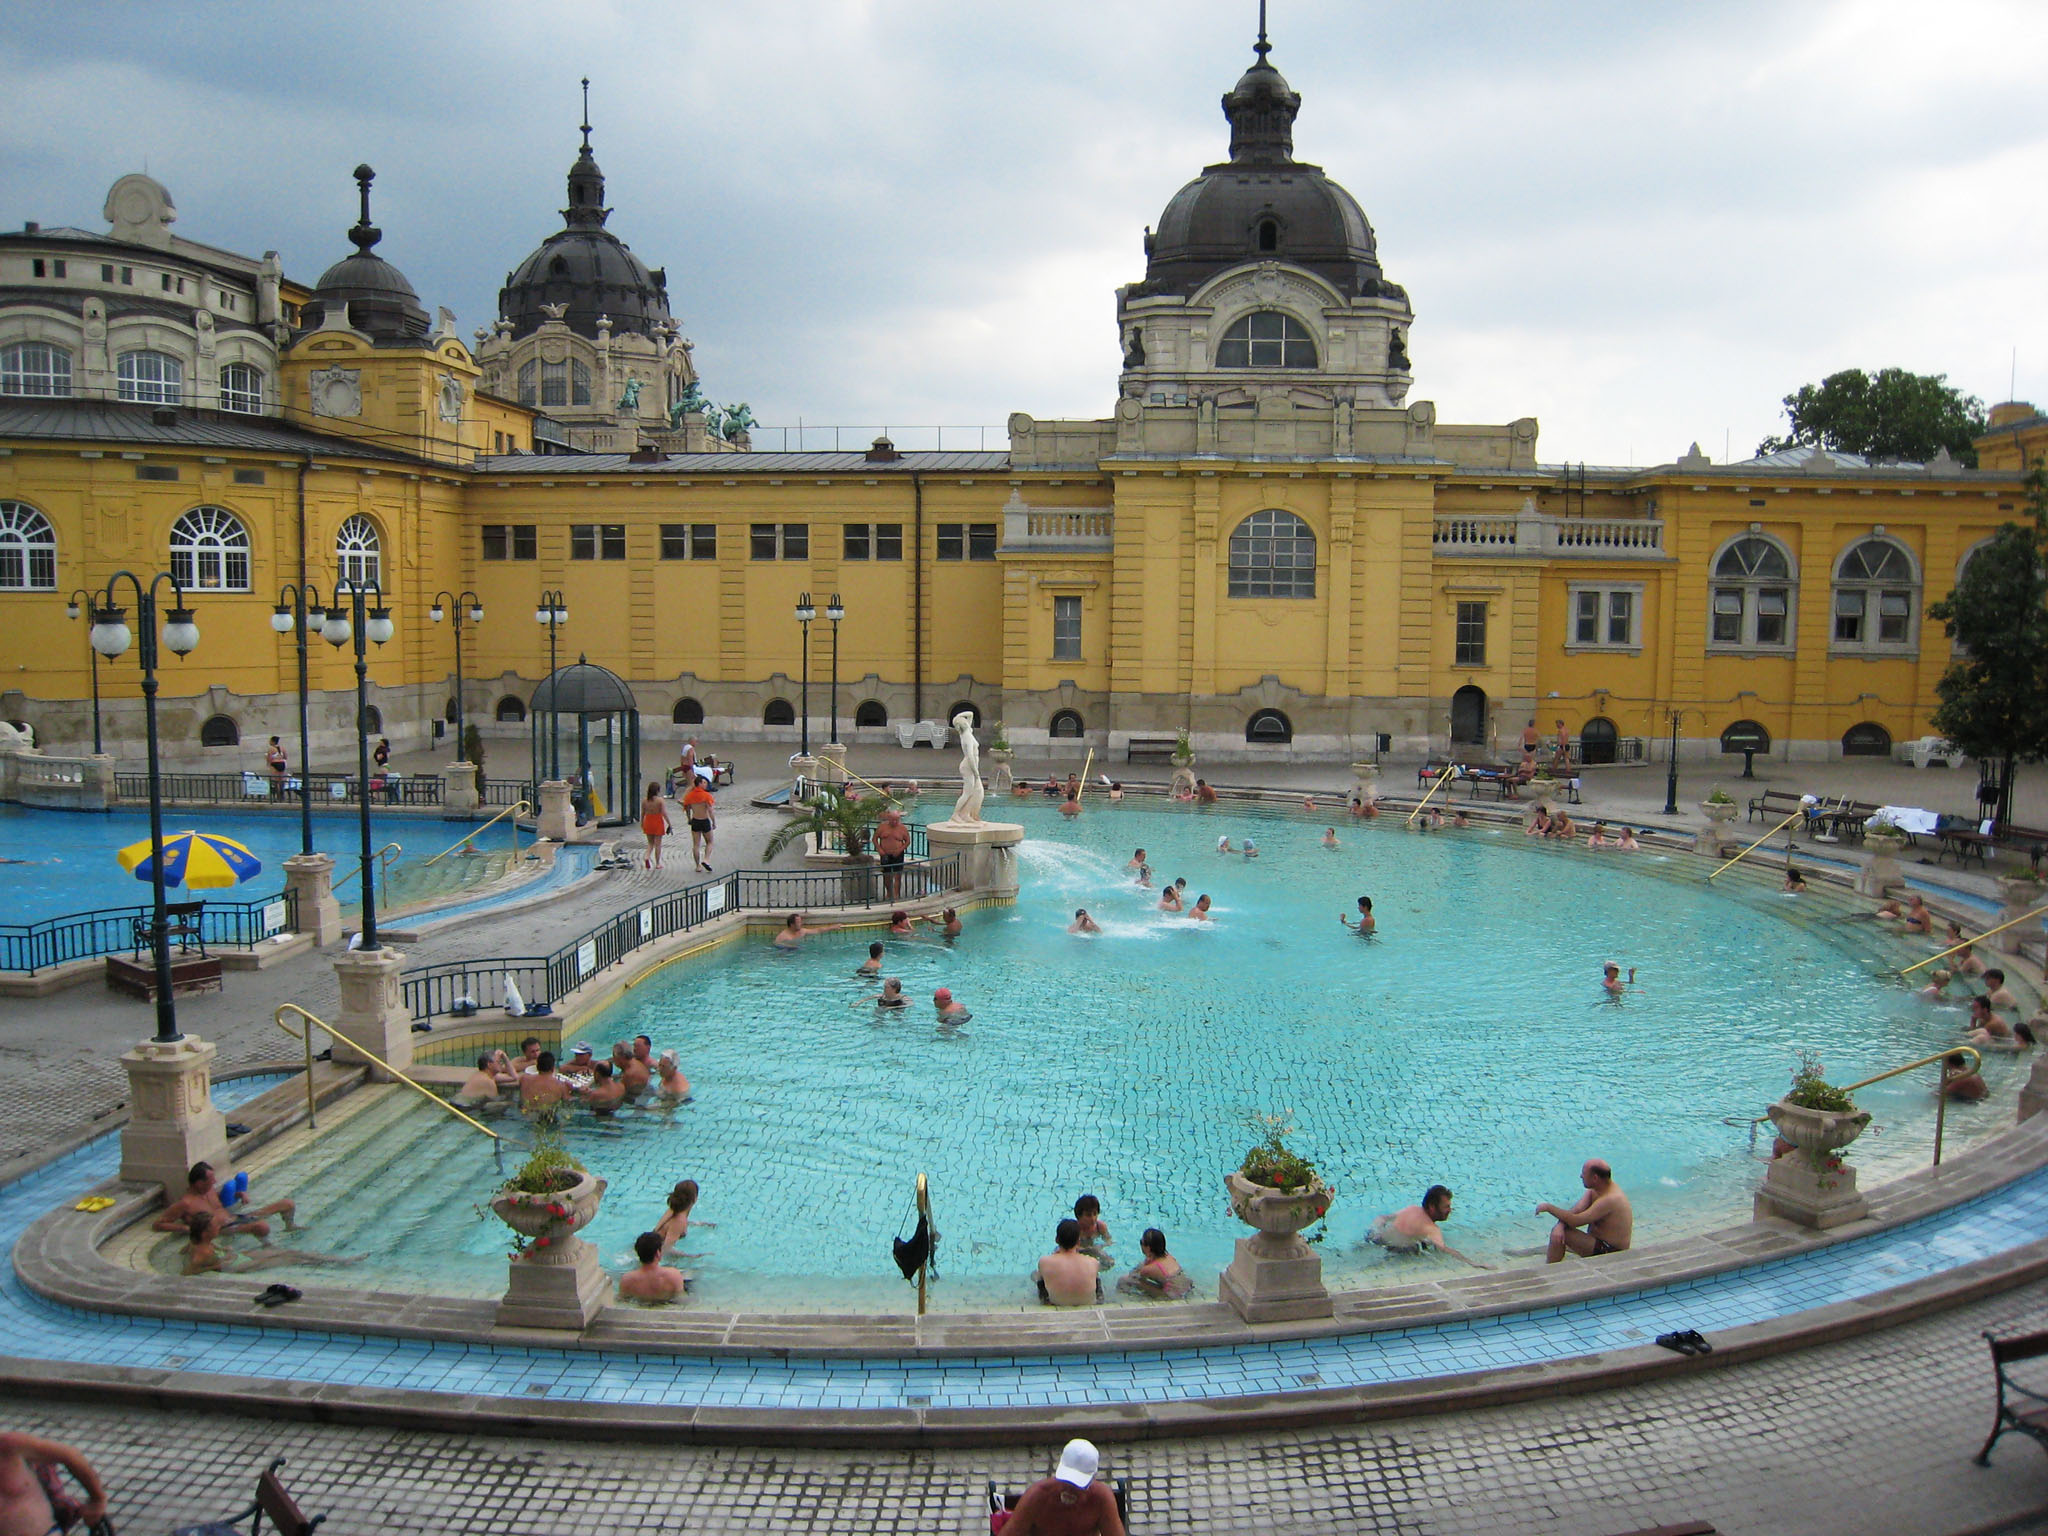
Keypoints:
pixel 184 924
pixel 1152 747
pixel 1773 804
pixel 2028 840
pixel 2014 1416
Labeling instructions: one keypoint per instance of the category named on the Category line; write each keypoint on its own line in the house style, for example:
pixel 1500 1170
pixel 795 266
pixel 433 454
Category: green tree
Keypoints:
pixel 1892 414
pixel 831 817
pixel 1994 695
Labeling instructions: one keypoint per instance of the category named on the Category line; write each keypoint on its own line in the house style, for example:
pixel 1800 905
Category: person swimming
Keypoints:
pixel 1200 910
pixel 1365 922
pixel 1083 923
pixel 891 996
pixel 1795 882
pixel 1169 899
pixel 1937 989
pixel 871 967
pixel 1611 982
pixel 1250 849
pixel 1329 837
pixel 1625 840
pixel 1223 844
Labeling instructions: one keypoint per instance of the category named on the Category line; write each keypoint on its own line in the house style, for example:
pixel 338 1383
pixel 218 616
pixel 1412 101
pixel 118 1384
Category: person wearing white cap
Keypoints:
pixel 1070 1502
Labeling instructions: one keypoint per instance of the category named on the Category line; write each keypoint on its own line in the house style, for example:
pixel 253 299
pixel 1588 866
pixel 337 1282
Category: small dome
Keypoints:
pixel 381 303
pixel 1262 205
pixel 586 268
pixel 583 689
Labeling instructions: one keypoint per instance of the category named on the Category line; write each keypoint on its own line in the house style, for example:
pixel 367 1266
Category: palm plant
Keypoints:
pixel 831 817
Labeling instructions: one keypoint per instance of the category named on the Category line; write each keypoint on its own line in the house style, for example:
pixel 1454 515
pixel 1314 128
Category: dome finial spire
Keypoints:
pixel 365 234
pixel 586 87
pixel 1262 47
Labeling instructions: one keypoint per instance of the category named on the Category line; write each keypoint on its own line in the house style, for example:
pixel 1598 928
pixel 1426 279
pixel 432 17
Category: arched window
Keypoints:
pixel 1065 723
pixel 869 714
pixel 1867 740
pixel 687 712
pixel 966 707
pixel 356 556
pixel 779 712
pixel 28 549
pixel 241 388
pixel 156 378
pixel 579 383
pixel 373 720
pixel 529 383
pixel 210 551
pixel 1269 728
pixel 448 709
pixel 220 731
pixel 1752 595
pixel 1269 235
pixel 1266 339
pixel 1745 736
pixel 1597 740
pixel 563 383
pixel 511 707
pixel 34 368
pixel 1876 589
pixel 1272 554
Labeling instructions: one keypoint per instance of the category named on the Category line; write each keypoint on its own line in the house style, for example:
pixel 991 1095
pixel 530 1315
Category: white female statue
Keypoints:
pixel 968 807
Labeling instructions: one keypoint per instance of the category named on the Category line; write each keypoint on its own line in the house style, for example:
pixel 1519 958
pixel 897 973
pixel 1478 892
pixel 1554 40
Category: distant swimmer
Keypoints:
pixel 1434 821
pixel 891 995
pixel 1250 849
pixel 1365 922
pixel 951 1011
pixel 1200 910
pixel 1309 805
pixel 1205 794
pixel 1626 841
pixel 1611 982
pixel 1937 990
pixel 1169 899
pixel 1083 923
pixel 1071 806
pixel 947 922
pixel 1795 882
pixel 1137 860
pixel 1959 1080
pixel 1329 837
pixel 872 966
pixel 1995 990
pixel 1414 1228
pixel 792 933
pixel 1145 876
pixel 1598 837
pixel 1223 844
pixel 1459 818
pixel 900 924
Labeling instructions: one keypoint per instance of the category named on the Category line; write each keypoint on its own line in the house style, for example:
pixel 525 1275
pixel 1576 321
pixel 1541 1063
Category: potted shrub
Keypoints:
pixel 1815 1116
pixel 1183 749
pixel 2022 888
pixel 1718 806
pixel 549 1198
pixel 1882 836
pixel 834 820
pixel 1276 1189
pixel 1000 757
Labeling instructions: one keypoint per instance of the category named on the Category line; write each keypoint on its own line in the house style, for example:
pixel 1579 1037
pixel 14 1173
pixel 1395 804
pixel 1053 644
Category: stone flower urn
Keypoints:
pixel 1882 870
pixel 1817 1131
pixel 1718 811
pixel 1276 1277
pixel 556 1282
pixel 1815 1189
pixel 1001 780
pixel 2021 893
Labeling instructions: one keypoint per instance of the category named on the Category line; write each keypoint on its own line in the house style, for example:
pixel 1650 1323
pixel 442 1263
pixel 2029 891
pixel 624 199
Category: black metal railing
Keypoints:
pixel 31 947
pixel 503 792
pixel 832 842
pixel 247 788
pixel 433 990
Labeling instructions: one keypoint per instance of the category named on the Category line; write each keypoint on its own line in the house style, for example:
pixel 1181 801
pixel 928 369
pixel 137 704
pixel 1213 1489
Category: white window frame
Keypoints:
pixel 1875 601
pixel 49 377
pixel 1253 552
pixel 28 549
pixel 1269 353
pixel 1604 593
pixel 150 377
pixel 1748 594
pixel 358 552
pixel 1066 627
pixel 241 388
pixel 210 551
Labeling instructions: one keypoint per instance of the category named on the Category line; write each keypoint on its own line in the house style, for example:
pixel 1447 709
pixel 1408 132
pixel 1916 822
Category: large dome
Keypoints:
pixel 586 268
pixel 380 302
pixel 1262 205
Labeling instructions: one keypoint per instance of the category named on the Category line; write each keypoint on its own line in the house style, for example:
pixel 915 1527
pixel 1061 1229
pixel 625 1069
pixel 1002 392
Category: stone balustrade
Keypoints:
pixel 86 783
pixel 1061 528
pixel 1497 535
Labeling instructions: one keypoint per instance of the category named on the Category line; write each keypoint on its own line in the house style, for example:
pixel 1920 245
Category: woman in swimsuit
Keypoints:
pixel 654 823
pixel 674 1225
pixel 891 995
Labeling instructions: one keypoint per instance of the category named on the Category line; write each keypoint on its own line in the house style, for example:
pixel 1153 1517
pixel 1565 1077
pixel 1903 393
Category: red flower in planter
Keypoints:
pixel 558 1211
pixel 540 1242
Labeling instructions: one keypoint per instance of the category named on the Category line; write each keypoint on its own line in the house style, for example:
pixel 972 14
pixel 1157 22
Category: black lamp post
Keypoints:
pixel 110 637
pixel 299 611
pixel 364 624
pixel 835 611
pixel 554 613
pixel 81 602
pixel 804 614
pixel 472 606
pixel 1671 770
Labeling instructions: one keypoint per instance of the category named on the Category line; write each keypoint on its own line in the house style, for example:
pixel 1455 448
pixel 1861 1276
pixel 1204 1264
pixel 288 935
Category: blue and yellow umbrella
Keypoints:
pixel 196 860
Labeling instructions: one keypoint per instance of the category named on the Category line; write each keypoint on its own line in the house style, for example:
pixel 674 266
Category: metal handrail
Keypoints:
pixel 384 856
pixel 886 794
pixel 511 810
pixel 1908 970
pixel 1941 1096
pixel 305 1037
pixel 1752 848
pixel 1450 772
pixel 924 1209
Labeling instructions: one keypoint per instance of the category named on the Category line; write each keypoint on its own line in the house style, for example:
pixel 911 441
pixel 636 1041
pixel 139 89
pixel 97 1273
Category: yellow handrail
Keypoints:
pixel 1941 1093
pixel 924 1209
pixel 1968 942
pixel 886 794
pixel 1086 763
pixel 1752 848
pixel 1450 770
pixel 513 810
pixel 383 863
pixel 429 1095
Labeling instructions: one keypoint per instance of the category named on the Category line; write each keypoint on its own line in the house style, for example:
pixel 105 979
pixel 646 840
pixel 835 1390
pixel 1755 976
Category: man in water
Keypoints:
pixel 481 1086
pixel 605 1093
pixel 872 966
pixel 1366 922
pixel 202 1198
pixel 1068 1277
pixel 1200 910
pixel 543 1087
pixel 653 1280
pixel 1137 861
pixel 1069 1503
pixel 1960 1081
pixel 1083 923
pixel 951 1010
pixel 1995 990
pixel 1611 982
pixel 1204 795
pixel 1414 1227
pixel 1071 806
pixel 1602 1221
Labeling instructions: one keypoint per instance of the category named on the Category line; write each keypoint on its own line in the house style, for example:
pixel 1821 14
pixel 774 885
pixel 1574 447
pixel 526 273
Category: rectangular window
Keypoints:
pixel 1586 621
pixel 764 542
pixel 165 279
pixel 981 541
pixel 1066 629
pixel 785 541
pixel 156 471
pixel 106 272
pixel 36 268
pixel 888 541
pixel 58 268
pixel 1621 610
pixel 796 541
pixel 952 541
pixel 874 541
pixel 1849 617
pixel 128 276
pixel 1471 635
pixel 597 541
pixel 248 477
pixel 689 541
pixel 1893 609
pixel 1604 616
pixel 856 547
pixel 1727 616
pixel 510 541
pixel 1772 605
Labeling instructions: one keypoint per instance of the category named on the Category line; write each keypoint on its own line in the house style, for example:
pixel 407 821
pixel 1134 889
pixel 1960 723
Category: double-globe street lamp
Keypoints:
pixel 299 611
pixel 363 622
pixel 110 638
pixel 467 605
pixel 805 612
pixel 835 611
pixel 552 612
pixel 79 602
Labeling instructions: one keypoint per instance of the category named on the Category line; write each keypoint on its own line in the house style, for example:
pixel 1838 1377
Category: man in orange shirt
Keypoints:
pixel 697 806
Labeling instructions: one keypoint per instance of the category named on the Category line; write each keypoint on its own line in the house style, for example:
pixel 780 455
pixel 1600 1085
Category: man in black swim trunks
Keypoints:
pixel 892 841
pixel 1601 1222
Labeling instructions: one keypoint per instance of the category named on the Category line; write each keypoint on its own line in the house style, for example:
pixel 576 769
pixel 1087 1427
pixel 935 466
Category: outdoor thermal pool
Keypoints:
pixel 1468 1043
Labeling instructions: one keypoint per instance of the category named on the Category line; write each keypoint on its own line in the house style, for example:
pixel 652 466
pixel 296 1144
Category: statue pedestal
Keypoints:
pixel 559 1287
pixel 987 850
pixel 373 1011
pixel 172 1123
pixel 1275 1279
pixel 1795 1190
pixel 2034 1093
pixel 310 879
pixel 832 764
pixel 1880 874
pixel 557 816
pixel 458 789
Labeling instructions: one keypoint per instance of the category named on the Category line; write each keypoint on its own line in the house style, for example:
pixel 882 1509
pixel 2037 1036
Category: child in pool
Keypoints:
pixel 1329 837
pixel 1160 1274
pixel 1094 1230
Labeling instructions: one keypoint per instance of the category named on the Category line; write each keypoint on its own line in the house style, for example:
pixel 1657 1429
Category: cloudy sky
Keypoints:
pixel 1643 225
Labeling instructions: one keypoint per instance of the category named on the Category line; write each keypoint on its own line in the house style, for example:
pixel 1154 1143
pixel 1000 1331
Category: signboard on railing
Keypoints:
pixel 586 957
pixel 273 919
pixel 646 924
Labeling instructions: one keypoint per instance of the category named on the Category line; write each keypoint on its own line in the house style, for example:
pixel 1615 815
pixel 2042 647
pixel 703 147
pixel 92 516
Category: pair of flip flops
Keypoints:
pixel 277 1294
pixel 95 1203
pixel 1687 1342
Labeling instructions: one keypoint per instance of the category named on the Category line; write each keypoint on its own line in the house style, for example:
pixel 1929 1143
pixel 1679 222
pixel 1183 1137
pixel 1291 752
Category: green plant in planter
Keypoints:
pixel 1271 1161
pixel 1720 796
pixel 1810 1090
pixel 1183 745
pixel 548 1169
pixel 999 740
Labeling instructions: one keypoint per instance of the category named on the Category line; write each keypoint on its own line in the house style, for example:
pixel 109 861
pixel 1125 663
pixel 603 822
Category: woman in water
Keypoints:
pixel 891 996
pixel 674 1225
pixel 1160 1274
pixel 654 823
pixel 900 925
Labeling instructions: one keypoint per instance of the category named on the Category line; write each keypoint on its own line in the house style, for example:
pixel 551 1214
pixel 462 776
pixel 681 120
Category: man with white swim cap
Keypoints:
pixel 1070 1502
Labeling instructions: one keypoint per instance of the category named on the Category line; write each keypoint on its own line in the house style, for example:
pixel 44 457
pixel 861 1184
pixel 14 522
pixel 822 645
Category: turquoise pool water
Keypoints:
pixel 1468 1044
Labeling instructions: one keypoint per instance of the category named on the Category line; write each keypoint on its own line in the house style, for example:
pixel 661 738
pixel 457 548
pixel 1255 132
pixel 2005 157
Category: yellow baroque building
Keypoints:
pixel 1266 543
